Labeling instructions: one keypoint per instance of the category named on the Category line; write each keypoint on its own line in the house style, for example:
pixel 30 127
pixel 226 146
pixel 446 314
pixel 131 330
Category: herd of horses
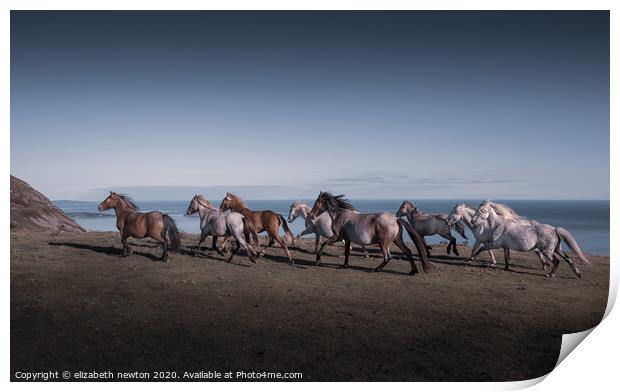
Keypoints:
pixel 494 225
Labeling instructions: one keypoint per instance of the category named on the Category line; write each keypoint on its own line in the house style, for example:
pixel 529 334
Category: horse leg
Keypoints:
pixel 248 250
pixel 474 249
pixel 560 254
pixel 556 262
pixel 386 256
pixel 329 241
pixel 482 249
pixel 506 259
pixel 202 238
pixel 407 252
pixel 316 243
pixel 347 252
pixel 214 243
pixel 288 252
pixel 126 249
pixel 366 255
pixel 220 249
pixel 164 255
pixel 451 243
pixel 272 229
pixel 544 261
pixel 234 251
pixel 427 247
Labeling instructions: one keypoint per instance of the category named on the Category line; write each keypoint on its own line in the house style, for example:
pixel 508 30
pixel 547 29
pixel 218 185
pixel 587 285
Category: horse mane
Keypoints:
pixel 337 202
pixel 237 199
pixel 298 203
pixel 407 202
pixel 505 212
pixel 128 202
pixel 204 202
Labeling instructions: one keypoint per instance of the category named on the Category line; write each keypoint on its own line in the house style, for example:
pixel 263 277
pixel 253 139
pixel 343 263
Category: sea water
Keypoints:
pixel 587 220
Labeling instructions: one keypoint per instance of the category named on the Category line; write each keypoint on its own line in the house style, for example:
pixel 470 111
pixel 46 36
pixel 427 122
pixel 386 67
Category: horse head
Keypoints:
pixel 108 202
pixel 405 208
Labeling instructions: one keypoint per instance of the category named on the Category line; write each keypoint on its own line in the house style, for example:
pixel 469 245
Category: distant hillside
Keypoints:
pixel 31 210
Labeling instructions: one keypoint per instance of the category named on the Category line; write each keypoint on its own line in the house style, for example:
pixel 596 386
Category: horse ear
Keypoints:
pixel 110 192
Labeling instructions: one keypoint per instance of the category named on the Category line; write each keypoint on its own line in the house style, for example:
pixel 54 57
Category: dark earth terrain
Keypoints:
pixel 76 305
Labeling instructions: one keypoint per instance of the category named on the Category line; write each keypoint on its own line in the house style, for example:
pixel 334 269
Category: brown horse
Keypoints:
pixel 266 220
pixel 135 224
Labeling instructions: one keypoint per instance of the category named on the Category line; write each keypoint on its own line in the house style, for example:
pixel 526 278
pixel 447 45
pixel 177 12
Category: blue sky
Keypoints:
pixel 284 104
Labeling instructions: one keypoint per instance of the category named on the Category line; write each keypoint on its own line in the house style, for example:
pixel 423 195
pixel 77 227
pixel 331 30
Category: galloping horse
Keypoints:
pixel 465 213
pixel 265 220
pixel 506 231
pixel 320 227
pixel 216 223
pixel 431 224
pixel 366 229
pixel 131 223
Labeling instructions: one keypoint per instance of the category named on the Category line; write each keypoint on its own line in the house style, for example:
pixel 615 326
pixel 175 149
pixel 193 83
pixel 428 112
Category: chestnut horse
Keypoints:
pixel 266 220
pixel 135 224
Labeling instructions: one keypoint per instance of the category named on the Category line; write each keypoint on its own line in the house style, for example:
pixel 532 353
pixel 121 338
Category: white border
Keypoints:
pixel 592 365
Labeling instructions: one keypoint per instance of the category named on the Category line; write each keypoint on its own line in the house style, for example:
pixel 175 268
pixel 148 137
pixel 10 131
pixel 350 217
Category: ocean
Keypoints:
pixel 587 220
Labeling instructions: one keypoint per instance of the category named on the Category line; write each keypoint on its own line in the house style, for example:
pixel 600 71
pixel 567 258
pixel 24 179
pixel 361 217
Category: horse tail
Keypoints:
pixel 418 241
pixel 460 229
pixel 567 237
pixel 248 228
pixel 173 232
pixel 289 233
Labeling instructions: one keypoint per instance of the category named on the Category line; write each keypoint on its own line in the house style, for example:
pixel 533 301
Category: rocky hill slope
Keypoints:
pixel 31 210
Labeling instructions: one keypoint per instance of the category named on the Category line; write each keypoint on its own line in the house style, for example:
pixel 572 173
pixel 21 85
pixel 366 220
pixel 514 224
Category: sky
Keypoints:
pixel 281 105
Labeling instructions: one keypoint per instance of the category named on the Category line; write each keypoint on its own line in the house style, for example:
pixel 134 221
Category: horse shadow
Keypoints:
pixel 462 262
pixel 108 250
pixel 206 253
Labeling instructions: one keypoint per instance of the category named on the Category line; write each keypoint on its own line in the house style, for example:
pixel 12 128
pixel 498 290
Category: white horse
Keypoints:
pixel 507 232
pixel 216 223
pixel 465 213
pixel 320 226
pixel 430 224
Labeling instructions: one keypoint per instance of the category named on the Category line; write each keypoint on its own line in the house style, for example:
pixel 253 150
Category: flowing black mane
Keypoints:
pixel 129 203
pixel 335 203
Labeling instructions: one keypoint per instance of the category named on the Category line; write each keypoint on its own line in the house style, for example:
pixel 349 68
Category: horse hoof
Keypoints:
pixel 506 269
pixel 550 275
pixel 376 270
pixel 343 266
pixel 412 273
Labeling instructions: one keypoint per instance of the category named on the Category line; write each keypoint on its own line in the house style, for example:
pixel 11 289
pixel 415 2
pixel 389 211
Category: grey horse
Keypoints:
pixel 216 223
pixel 507 232
pixel 465 213
pixel 382 229
pixel 320 226
pixel 431 224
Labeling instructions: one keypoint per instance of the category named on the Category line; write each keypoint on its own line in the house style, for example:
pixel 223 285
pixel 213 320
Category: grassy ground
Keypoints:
pixel 77 305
